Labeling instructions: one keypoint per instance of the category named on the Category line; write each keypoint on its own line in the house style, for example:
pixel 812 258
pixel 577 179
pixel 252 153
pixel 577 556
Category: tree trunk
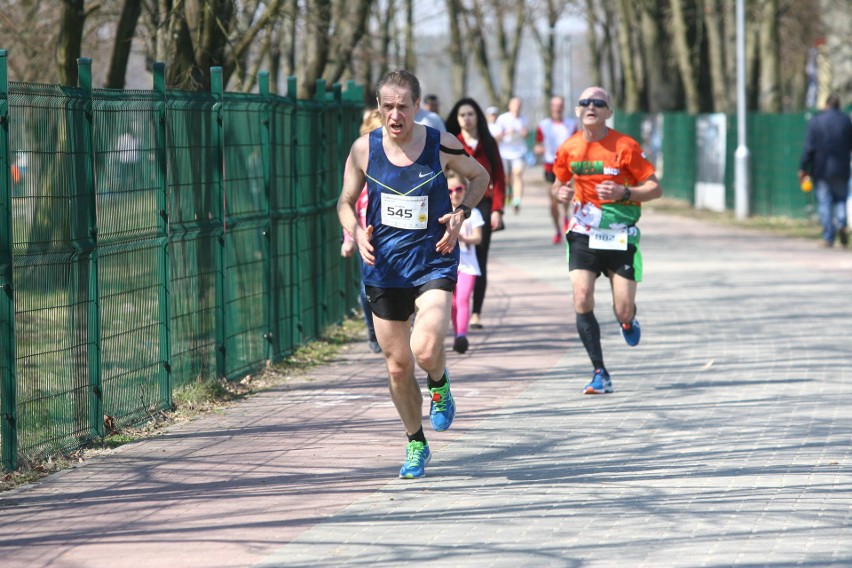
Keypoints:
pixel 608 42
pixel 288 38
pixel 458 59
pixel 124 34
pixel 625 42
pixel 474 26
pixel 661 86
pixel 716 53
pixel 69 46
pixel 509 45
pixel 595 52
pixel 547 46
pixel 683 56
pixel 315 52
pixel 770 66
pixel 350 25
pixel 410 61
pixel 753 63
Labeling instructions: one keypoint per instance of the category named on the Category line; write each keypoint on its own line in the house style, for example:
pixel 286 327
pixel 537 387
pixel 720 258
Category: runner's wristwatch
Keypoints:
pixel 463 208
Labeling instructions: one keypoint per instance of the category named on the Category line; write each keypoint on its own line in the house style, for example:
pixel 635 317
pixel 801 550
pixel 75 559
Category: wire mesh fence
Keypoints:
pixel 150 238
pixel 774 142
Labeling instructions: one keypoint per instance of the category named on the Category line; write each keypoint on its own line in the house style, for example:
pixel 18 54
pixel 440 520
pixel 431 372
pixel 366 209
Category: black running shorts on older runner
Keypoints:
pixel 397 304
pixel 626 263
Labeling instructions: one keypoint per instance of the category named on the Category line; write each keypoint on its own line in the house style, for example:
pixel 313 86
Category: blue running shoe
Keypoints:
pixel 443 407
pixel 631 333
pixel 417 455
pixel 601 383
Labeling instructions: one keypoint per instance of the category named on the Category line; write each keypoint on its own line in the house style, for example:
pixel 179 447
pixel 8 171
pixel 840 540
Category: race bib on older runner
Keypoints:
pixel 405 212
pixel 608 239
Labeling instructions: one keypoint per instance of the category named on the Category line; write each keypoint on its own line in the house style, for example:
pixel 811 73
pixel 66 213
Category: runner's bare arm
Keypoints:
pixel 562 191
pixel 466 166
pixel 647 190
pixel 469 168
pixel 353 181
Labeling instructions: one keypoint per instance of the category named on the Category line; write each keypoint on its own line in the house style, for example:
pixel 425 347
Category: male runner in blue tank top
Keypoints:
pixel 409 249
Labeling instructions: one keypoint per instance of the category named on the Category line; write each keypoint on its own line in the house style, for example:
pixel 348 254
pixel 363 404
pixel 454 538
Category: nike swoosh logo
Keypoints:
pixel 422 175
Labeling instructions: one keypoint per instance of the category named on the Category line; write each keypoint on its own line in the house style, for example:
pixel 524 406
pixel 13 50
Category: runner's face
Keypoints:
pixel 557 106
pixel 467 118
pixel 398 110
pixel 456 187
pixel 591 115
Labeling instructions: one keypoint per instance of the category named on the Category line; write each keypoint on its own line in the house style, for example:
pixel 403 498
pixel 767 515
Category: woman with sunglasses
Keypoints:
pixel 607 177
pixel 467 121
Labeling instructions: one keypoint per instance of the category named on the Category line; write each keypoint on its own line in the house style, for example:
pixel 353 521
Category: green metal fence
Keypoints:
pixel 775 145
pixel 150 238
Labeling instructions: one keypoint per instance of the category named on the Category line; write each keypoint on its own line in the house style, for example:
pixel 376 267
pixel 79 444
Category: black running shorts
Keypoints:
pixel 626 263
pixel 397 304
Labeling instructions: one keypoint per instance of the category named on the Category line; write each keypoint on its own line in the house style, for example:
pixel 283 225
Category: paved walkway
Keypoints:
pixel 726 443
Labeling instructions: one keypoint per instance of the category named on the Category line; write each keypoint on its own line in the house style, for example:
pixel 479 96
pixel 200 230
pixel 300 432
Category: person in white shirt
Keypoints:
pixel 551 132
pixel 513 148
pixel 491 116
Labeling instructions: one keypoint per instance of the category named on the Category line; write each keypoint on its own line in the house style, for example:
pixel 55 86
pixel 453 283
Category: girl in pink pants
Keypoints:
pixel 469 237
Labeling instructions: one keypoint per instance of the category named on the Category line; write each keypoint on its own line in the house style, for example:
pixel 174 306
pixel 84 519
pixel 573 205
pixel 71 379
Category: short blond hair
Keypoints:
pixel 372 120
pixel 451 173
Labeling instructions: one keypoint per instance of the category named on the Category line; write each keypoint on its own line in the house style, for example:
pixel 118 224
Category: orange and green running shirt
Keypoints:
pixel 615 157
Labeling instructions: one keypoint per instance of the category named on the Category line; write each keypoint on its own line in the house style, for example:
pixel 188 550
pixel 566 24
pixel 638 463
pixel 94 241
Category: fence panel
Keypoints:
pixel 678 148
pixel 775 141
pixel 131 237
pixel 52 258
pixel 156 237
pixel 284 277
pixel 195 230
pixel 246 247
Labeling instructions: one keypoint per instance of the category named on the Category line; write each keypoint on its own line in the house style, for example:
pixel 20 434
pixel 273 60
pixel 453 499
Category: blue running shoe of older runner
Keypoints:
pixel 631 333
pixel 443 407
pixel 417 455
pixel 601 383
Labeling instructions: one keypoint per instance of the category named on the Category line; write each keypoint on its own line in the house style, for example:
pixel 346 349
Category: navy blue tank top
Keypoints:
pixel 404 205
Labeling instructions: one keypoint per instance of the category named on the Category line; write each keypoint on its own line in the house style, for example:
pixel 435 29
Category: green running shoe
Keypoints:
pixel 442 410
pixel 417 455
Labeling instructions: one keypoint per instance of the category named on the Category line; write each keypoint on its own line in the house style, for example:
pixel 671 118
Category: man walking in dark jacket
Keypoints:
pixel 828 145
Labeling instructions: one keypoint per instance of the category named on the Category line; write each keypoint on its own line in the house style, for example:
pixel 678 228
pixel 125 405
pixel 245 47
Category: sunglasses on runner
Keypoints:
pixel 599 103
pixel 456 188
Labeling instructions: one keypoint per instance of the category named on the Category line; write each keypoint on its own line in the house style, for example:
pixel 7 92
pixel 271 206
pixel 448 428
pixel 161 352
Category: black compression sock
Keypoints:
pixel 417 436
pixel 437 384
pixel 590 334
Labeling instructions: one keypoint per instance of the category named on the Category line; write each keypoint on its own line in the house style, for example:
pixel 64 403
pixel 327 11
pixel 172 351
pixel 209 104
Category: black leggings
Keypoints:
pixel 482 256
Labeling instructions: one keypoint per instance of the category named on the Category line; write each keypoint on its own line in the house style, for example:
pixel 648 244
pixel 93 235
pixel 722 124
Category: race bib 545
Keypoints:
pixel 405 212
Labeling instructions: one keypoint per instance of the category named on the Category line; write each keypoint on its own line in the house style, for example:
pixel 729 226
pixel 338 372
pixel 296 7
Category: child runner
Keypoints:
pixel 469 236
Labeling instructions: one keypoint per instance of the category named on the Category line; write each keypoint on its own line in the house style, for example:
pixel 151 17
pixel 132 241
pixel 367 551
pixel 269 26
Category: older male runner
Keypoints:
pixel 611 178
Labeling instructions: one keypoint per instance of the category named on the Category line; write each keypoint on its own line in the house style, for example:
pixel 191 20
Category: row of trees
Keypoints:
pixel 652 54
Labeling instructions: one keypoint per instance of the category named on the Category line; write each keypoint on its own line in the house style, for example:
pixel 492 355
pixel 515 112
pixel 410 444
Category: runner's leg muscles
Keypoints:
pixel 430 328
pixel 394 337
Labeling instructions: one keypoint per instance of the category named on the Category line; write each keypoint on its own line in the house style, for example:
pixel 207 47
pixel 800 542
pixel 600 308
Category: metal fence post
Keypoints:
pixel 86 237
pixel 217 91
pixel 293 234
pixel 163 254
pixel 270 295
pixel 321 296
pixel 8 394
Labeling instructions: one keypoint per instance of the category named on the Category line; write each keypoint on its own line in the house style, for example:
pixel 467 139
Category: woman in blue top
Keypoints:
pixel 408 248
